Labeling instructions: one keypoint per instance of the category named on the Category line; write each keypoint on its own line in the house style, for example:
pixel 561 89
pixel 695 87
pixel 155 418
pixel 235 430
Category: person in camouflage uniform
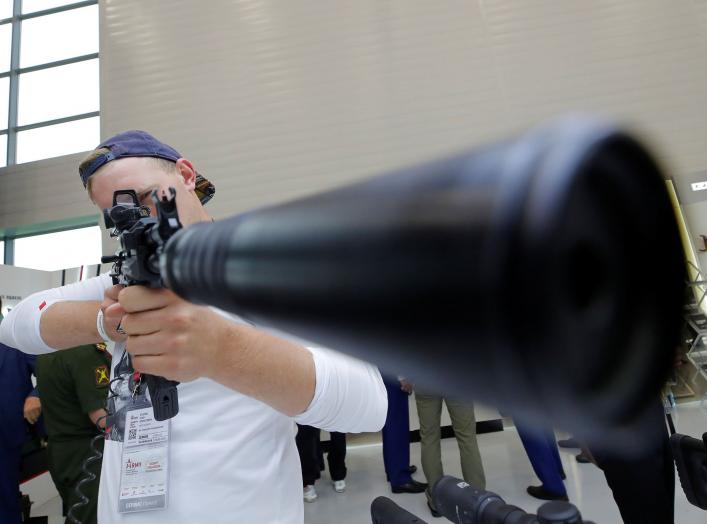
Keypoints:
pixel 73 387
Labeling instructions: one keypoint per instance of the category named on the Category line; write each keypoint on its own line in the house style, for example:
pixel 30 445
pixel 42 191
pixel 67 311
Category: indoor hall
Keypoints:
pixel 251 251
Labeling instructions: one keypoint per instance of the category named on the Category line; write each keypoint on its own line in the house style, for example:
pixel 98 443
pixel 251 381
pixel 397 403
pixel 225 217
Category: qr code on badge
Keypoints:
pixel 132 434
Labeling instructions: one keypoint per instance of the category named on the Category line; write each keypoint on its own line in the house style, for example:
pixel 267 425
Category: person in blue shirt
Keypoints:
pixel 396 438
pixel 18 406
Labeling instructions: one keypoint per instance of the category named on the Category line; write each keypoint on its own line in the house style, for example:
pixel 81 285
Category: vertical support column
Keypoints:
pixel 14 83
pixel 9 251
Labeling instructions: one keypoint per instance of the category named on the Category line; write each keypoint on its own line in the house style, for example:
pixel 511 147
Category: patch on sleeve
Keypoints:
pixel 102 377
pixel 42 305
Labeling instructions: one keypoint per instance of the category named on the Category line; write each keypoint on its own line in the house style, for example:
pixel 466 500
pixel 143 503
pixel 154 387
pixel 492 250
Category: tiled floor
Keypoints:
pixel 508 473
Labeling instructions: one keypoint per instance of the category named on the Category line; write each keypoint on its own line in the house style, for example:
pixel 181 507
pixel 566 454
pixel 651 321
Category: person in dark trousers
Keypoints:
pixel 396 439
pixel 312 459
pixel 73 386
pixel 18 406
pixel 544 457
pixel 643 485
pixel 571 442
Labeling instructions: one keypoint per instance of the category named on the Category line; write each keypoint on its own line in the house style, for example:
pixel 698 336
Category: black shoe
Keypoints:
pixel 582 458
pixel 541 493
pixel 568 443
pixel 434 512
pixel 411 487
pixel 411 470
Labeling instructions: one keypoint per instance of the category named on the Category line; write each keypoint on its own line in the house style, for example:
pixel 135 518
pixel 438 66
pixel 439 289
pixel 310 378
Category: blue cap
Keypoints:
pixel 140 143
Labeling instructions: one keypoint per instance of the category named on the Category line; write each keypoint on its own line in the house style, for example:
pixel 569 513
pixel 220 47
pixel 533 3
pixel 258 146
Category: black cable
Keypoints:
pixel 97 455
pixel 89 476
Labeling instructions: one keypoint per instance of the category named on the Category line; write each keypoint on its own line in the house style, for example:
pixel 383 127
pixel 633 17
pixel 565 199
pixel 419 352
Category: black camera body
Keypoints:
pixel 461 503
pixel 142 239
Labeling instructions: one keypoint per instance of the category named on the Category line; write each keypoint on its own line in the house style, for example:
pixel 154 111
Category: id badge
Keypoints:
pixel 144 472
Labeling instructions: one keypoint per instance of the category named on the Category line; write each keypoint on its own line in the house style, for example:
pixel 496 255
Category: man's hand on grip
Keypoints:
pixel 112 317
pixel 168 336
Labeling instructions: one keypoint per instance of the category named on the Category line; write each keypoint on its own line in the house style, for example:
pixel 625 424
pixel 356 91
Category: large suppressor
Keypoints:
pixel 543 274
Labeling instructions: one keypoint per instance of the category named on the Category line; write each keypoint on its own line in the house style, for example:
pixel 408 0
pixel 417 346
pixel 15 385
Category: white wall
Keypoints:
pixel 276 99
pixel 43 191
pixel 17 283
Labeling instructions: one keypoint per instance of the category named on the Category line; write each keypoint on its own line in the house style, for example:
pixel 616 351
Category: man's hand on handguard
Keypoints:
pixel 166 335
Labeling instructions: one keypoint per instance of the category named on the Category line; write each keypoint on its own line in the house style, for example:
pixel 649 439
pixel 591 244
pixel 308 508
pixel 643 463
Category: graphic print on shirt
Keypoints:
pixel 125 394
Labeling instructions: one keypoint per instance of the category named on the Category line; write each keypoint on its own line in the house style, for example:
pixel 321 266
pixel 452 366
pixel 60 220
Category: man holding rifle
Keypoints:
pixel 231 453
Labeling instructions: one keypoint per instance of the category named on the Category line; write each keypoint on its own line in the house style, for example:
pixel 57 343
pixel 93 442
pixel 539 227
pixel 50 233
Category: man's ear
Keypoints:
pixel 187 173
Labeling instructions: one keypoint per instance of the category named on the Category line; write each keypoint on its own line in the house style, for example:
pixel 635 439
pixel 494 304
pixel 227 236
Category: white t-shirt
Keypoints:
pixel 233 459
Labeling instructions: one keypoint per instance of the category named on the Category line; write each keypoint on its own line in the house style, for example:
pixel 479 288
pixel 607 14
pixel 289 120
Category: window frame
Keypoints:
pixel 15 71
pixel 10 235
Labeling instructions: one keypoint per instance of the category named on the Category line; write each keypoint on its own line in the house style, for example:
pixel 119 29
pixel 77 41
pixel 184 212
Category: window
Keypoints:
pixel 5 9
pixel 5 46
pixel 4 95
pixel 54 251
pixel 2 251
pixel 56 140
pixel 30 6
pixel 49 88
pixel 75 32
pixel 3 150
pixel 74 91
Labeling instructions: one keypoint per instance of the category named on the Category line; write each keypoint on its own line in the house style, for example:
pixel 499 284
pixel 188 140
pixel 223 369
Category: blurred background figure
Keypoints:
pixel 429 411
pixel 544 457
pixel 311 457
pixel 571 442
pixel 643 485
pixel 19 406
pixel 396 438
pixel 73 385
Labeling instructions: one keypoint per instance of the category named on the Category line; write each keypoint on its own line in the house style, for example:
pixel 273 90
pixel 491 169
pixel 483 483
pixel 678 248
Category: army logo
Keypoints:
pixel 102 375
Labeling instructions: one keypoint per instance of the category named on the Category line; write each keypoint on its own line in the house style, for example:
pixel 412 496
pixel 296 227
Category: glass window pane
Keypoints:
pixel 3 150
pixel 63 35
pixel 5 46
pixel 31 6
pixel 57 140
pixel 62 250
pixel 58 92
pixel 4 101
pixel 5 9
pixel 2 252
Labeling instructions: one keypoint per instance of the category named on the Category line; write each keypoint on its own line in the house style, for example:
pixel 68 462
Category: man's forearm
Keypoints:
pixel 69 324
pixel 275 371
